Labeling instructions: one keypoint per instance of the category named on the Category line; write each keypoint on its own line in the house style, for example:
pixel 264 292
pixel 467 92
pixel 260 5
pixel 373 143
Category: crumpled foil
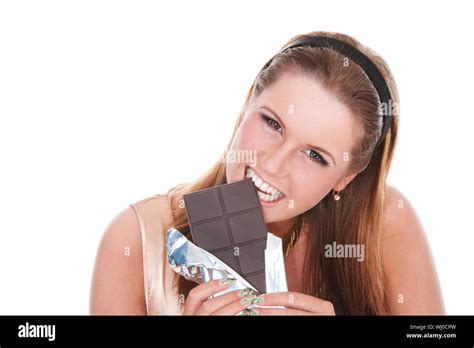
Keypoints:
pixel 200 266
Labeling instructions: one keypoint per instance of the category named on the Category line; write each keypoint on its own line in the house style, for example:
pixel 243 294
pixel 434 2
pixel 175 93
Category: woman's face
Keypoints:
pixel 294 142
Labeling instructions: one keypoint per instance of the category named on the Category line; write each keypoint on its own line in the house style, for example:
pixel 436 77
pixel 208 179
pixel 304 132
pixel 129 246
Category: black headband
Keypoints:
pixel 364 62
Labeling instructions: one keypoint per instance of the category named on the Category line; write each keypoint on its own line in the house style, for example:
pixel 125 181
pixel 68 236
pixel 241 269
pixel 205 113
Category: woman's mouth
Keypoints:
pixel 267 193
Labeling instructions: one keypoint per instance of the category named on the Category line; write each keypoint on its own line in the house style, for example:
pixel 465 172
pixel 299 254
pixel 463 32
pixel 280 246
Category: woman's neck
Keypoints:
pixel 281 228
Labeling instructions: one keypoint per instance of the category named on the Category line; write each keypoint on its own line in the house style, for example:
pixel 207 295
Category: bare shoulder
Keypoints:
pixel 400 218
pixel 117 282
pixel 410 271
pixel 399 214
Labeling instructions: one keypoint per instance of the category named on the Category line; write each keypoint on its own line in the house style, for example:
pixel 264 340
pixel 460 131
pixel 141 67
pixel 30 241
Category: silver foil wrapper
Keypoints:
pixel 200 266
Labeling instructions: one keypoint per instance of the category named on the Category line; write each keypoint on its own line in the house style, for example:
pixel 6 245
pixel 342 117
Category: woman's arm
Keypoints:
pixel 411 279
pixel 117 283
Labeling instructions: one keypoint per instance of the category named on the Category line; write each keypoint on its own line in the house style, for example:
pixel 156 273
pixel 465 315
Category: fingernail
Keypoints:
pixel 257 300
pixel 228 281
pixel 247 299
pixel 249 311
pixel 245 292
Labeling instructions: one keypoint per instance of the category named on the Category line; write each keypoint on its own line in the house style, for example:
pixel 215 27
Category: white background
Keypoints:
pixel 104 103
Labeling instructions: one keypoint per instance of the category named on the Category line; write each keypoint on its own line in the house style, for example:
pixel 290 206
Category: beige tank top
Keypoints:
pixel 154 216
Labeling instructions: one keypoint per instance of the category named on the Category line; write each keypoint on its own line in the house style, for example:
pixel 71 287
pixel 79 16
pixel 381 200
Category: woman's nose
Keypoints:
pixel 276 164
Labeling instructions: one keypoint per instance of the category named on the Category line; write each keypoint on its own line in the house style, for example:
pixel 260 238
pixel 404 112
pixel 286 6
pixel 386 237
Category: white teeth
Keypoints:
pixel 267 198
pixel 271 193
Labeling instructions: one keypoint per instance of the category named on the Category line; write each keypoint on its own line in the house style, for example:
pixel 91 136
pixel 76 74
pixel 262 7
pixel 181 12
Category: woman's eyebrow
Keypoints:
pixel 284 127
pixel 322 150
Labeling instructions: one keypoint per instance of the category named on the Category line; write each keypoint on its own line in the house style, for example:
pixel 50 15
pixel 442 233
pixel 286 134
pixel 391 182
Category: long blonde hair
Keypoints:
pixel 353 287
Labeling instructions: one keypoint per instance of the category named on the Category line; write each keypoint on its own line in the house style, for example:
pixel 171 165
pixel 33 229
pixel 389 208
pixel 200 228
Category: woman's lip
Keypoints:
pixel 263 202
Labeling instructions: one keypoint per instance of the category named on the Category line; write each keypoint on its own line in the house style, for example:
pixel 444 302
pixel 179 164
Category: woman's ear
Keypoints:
pixel 341 185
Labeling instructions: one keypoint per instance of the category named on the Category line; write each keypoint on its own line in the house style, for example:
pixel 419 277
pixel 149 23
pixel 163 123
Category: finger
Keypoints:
pixel 281 311
pixel 212 305
pixel 201 293
pixel 238 305
pixel 296 300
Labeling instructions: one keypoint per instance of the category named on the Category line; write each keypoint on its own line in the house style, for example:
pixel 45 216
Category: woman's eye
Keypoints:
pixel 315 156
pixel 271 122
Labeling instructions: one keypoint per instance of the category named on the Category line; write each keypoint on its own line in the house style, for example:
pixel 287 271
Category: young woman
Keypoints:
pixel 313 117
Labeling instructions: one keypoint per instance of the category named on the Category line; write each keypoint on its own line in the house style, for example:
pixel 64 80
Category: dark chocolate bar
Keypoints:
pixel 227 221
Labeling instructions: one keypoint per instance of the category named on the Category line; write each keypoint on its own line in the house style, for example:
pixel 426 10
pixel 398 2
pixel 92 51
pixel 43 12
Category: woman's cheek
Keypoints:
pixel 309 191
pixel 247 138
pixel 252 136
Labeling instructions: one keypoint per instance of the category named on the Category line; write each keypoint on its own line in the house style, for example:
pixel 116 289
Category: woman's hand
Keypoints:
pixel 296 303
pixel 231 303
